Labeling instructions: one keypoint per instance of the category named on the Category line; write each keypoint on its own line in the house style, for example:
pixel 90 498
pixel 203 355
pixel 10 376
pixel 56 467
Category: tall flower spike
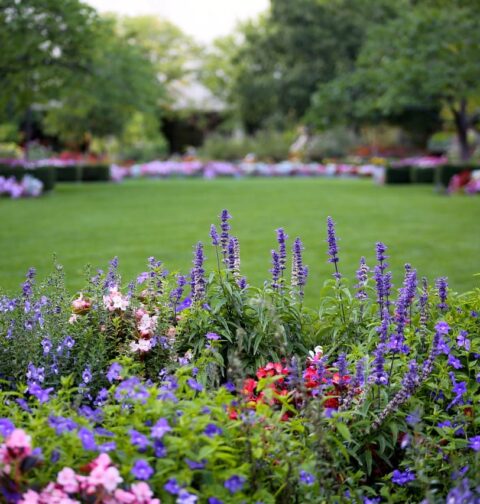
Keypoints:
pixel 197 274
pixel 423 301
pixel 224 236
pixel 275 271
pixel 442 286
pixel 299 271
pixel 214 236
pixel 332 243
pixel 362 277
pixel 282 249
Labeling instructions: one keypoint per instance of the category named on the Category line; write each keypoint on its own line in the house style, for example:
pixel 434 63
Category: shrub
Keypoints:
pixel 397 175
pixel 212 395
pixel 46 174
pixel 95 172
pixel 419 175
pixel 72 173
pixel 444 173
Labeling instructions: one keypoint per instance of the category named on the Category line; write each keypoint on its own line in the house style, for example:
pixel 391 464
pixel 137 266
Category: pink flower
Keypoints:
pixel 124 497
pixel 68 479
pixel 115 300
pixel 81 305
pixel 143 345
pixel 146 325
pixel 18 444
pixel 30 497
pixel 143 493
pixel 73 318
pixel 109 478
pixel 103 461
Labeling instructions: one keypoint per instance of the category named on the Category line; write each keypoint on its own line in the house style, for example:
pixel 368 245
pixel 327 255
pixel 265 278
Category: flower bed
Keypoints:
pixel 204 389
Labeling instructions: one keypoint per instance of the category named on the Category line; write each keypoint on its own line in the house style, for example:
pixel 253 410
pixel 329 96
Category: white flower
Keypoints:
pixel 115 300
pixel 143 345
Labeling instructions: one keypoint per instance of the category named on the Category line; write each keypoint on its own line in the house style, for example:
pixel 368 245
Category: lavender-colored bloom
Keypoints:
pixel 299 271
pixel 423 301
pixel 172 487
pixel 6 427
pixel 27 286
pixel 212 336
pixel 379 375
pixel 463 341
pixel 214 500
pixel 35 374
pixel 474 443
pixel 359 378
pixel 225 228
pixel 242 283
pixel 212 430
pixel 142 470
pixel 234 484
pixel 160 428
pixel 413 418
pixel 380 249
pixel 177 293
pixel 402 478
pixel 306 478
pixel 462 494
pixel 454 362
pixel 143 277
pixel 61 424
pixel 332 246
pixel 214 236
pixel 442 286
pixel 233 260
pixel 230 387
pixel 139 440
pixel 69 342
pixel 47 346
pixel 87 375
pixel 184 497
pixel 459 389
pixel 88 439
pixel 342 368
pixel 275 271
pixel 106 447
pixel 442 327
pixel 282 249
pixel 198 274
pixel 113 372
pixel 54 456
pixel 159 449
pixel 362 277
pixel 111 279
pixel 196 465
pixel 194 385
pixel 411 378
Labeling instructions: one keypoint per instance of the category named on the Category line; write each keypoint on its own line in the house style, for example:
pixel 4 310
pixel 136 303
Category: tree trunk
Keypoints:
pixel 461 124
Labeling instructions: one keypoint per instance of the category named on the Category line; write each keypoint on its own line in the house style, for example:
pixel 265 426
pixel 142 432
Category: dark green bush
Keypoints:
pixel 420 175
pixel 398 175
pixel 444 173
pixel 46 174
pixel 95 172
pixel 68 173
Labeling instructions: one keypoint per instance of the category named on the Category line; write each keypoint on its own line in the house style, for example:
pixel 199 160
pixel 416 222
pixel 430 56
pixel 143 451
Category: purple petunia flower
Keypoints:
pixel 214 500
pixel 142 470
pixel 196 465
pixel 87 375
pixel 6 427
pixel 43 395
pixel 139 440
pixel 306 478
pixel 172 487
pixel 402 478
pixel 88 439
pixel 463 341
pixel 113 372
pixel 159 449
pixel 212 336
pixel 474 443
pixel 194 385
pixel 184 497
pixel 234 484
pixel 212 430
pixel 47 346
pixel 160 428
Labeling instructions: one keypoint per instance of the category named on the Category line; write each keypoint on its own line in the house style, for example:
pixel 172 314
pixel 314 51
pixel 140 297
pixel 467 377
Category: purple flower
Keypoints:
pixel 234 484
pixel 214 500
pixel 87 438
pixel 68 342
pixel 194 385
pixel 114 371
pixel 454 362
pixel 402 478
pixel 107 447
pixel 442 285
pixel 442 327
pixel 380 249
pixel 474 443
pixel 299 271
pixel 413 418
pixel 362 277
pixel 172 487
pixel 87 375
pixel 225 227
pixel 139 440
pixel 196 465
pixel 214 236
pixel 212 336
pixel 459 389
pixel 282 249
pixel 6 427
pixel 159 449
pixel 230 387
pixel 342 368
pixel 332 246
pixel 306 478
pixel 142 470
pixel 197 274
pixel 212 430
pixel 275 271
pixel 47 346
pixel 379 375
pixel 61 424
pixel 463 341
pixel 160 428
pixel 41 394
pixel 185 497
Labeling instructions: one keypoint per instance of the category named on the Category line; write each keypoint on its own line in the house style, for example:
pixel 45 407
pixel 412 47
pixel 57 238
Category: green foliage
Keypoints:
pixel 397 175
pixel 419 175
pixel 44 173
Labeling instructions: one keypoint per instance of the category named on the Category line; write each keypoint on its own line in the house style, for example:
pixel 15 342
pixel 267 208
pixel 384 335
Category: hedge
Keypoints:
pixel 444 173
pixel 45 174
pixel 399 175
pixel 420 175
pixel 83 173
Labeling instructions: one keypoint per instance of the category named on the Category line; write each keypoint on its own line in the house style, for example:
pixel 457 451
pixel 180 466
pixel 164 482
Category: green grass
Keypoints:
pixel 91 223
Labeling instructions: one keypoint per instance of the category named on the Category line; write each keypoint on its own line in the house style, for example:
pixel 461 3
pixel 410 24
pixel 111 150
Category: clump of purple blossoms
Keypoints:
pixel 362 277
pixel 142 470
pixel 307 478
pixel 214 236
pixel 234 484
pixel 299 271
pixel 332 246
pixel 382 279
pixel 198 274
pixel 442 286
pixel 402 478
pixel 282 249
pixel 275 271
pixel 224 236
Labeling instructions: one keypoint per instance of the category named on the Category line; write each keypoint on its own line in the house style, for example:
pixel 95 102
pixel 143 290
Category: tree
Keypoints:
pixel 44 45
pixel 427 57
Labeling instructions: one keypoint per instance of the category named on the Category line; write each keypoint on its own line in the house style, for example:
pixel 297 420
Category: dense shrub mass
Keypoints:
pixel 201 388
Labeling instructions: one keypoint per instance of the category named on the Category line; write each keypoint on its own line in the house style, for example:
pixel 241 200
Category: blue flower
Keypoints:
pixel 212 430
pixel 474 443
pixel 87 438
pixel 172 487
pixel 306 478
pixel 139 440
pixel 6 427
pixel 194 385
pixel 160 428
pixel 142 470
pixel 234 484
pixel 114 371
pixel 402 478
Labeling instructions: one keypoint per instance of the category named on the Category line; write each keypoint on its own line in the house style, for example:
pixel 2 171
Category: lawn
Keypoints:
pixel 91 223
